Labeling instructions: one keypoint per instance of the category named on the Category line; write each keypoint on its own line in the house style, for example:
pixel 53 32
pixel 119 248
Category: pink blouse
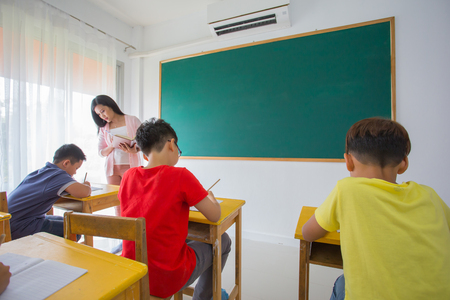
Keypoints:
pixel 105 140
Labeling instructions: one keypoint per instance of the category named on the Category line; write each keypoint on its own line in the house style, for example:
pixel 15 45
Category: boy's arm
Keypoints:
pixel 210 208
pixel 79 190
pixel 312 230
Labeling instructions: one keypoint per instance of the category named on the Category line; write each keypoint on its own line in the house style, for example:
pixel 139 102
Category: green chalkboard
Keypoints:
pixel 292 98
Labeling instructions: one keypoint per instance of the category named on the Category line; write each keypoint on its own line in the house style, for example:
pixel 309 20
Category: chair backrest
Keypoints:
pixel 4 208
pixel 131 229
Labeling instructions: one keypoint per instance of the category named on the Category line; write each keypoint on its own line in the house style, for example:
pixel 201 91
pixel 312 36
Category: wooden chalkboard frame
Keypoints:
pixel 317 32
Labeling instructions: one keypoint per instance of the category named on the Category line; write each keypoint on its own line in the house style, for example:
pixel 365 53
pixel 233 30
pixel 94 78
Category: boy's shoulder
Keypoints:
pixel 409 189
pixel 48 171
pixel 159 170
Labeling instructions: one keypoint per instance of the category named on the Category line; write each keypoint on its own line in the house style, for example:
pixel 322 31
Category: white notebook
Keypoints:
pixel 35 278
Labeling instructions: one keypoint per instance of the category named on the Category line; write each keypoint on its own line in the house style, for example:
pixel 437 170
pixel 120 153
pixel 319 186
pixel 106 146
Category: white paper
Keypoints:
pixel 38 281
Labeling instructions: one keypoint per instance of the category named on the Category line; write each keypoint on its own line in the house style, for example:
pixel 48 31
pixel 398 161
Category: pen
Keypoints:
pixel 213 185
pixel 85 176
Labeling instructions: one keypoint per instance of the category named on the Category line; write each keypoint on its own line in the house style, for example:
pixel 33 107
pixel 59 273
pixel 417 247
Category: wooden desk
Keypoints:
pixel 109 276
pixel 200 229
pixel 98 200
pixel 325 251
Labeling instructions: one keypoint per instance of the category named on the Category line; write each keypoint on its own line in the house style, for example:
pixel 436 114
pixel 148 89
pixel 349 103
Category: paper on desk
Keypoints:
pixel 193 208
pixel 35 278
pixel 94 188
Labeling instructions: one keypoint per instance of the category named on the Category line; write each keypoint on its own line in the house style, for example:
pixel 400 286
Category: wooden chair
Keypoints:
pixel 4 225
pixel 131 229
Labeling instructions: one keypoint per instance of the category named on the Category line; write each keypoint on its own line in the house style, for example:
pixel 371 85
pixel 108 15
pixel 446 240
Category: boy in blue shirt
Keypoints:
pixel 29 202
pixel 395 238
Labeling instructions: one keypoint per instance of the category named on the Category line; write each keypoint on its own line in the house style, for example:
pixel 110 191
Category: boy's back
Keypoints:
pixel 162 195
pixel 34 197
pixel 395 238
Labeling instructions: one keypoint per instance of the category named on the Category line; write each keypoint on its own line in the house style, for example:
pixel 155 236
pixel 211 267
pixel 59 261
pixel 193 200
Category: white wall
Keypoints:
pixel 276 191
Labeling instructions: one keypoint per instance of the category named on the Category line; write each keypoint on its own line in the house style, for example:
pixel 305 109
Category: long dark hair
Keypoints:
pixel 106 101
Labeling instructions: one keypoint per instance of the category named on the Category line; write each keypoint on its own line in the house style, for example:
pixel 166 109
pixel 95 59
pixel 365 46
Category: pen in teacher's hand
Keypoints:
pixel 213 185
pixel 85 176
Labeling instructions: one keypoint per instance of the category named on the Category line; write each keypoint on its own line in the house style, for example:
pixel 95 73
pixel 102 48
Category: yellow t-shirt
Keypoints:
pixel 395 239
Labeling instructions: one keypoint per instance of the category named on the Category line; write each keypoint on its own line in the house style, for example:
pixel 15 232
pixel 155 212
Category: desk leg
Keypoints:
pixel 303 292
pixel 238 257
pixel 87 208
pixel 217 264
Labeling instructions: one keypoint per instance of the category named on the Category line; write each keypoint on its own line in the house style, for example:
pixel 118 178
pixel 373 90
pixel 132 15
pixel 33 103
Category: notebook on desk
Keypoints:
pixel 36 278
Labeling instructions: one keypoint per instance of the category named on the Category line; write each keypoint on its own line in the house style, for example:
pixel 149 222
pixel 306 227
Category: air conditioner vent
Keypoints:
pixel 235 18
pixel 247 24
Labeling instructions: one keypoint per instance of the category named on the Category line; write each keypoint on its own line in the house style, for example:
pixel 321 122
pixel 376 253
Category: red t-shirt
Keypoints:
pixel 162 195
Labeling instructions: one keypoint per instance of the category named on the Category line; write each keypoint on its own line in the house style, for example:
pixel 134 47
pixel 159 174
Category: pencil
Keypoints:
pixel 213 184
pixel 85 176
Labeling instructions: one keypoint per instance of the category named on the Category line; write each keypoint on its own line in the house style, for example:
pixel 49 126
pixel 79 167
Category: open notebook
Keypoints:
pixel 35 278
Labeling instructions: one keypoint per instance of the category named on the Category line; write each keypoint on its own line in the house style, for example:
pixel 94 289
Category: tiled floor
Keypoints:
pixel 270 272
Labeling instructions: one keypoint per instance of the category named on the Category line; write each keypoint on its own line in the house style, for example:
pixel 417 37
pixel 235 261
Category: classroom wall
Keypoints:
pixel 276 191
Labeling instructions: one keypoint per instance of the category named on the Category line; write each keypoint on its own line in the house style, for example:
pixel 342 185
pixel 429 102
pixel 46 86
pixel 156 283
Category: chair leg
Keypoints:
pixel 178 296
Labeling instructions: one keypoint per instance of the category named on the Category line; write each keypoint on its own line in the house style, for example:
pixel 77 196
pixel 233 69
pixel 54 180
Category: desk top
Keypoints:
pixel 106 190
pixel 228 206
pixel 329 238
pixel 108 274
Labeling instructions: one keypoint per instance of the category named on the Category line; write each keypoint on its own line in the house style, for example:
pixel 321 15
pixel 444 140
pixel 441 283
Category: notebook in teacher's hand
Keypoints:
pixel 36 278
pixel 118 138
pixel 125 137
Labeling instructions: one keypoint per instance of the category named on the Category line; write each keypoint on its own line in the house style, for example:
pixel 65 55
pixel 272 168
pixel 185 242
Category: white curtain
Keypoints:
pixel 51 67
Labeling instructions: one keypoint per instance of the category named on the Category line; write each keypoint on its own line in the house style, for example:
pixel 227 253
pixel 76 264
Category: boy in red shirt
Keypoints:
pixel 162 194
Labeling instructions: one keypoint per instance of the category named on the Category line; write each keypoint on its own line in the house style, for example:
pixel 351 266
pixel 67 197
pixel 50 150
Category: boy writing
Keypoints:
pixel 163 194
pixel 29 202
pixel 395 238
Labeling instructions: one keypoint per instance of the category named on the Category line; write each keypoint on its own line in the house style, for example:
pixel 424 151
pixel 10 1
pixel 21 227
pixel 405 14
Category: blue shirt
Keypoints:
pixel 34 197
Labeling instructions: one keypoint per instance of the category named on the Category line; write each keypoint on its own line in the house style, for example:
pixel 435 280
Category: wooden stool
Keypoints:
pixel 325 251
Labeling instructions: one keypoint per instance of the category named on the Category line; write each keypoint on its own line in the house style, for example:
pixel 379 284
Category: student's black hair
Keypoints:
pixel 106 101
pixel 378 141
pixel 69 151
pixel 154 134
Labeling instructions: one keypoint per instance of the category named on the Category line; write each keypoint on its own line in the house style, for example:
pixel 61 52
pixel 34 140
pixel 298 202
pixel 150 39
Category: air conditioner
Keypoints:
pixel 233 18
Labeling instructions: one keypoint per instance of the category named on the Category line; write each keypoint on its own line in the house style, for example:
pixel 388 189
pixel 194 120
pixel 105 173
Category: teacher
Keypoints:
pixel 120 154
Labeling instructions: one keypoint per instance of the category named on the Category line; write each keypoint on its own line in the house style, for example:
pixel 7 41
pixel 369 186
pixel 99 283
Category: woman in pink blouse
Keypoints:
pixel 120 154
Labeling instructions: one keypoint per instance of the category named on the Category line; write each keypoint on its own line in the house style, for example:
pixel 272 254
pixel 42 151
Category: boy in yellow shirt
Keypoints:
pixel 395 238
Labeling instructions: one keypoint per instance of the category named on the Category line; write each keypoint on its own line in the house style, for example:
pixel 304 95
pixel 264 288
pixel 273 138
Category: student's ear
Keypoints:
pixel 66 163
pixel 171 145
pixel 349 162
pixel 403 165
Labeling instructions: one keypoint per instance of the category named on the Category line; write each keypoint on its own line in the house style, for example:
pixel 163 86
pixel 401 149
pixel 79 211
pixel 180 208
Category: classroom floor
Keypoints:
pixel 270 272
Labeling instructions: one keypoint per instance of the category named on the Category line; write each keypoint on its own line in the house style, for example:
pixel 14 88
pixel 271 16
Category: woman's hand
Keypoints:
pixel 128 149
pixel 106 151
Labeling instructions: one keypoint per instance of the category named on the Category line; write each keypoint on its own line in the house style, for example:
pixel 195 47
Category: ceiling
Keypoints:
pixel 149 12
